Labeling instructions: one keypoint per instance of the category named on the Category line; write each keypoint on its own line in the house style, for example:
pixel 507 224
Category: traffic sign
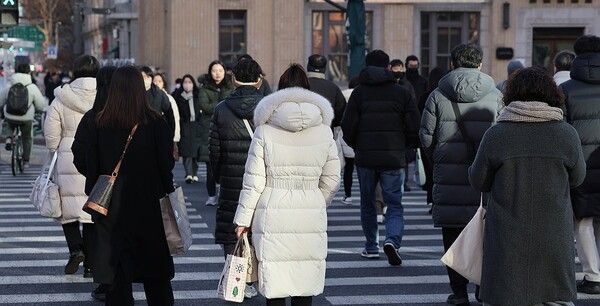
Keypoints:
pixel 52 52
pixel 9 4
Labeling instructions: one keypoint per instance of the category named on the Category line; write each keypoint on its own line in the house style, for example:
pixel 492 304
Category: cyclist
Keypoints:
pixel 19 101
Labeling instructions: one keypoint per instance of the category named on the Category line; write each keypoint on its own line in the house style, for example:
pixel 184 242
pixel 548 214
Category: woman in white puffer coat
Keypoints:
pixel 292 174
pixel 72 101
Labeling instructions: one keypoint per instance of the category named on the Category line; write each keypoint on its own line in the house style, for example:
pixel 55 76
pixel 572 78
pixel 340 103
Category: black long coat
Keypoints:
pixel 192 132
pixel 132 235
pixel 528 170
pixel 229 144
pixel 583 112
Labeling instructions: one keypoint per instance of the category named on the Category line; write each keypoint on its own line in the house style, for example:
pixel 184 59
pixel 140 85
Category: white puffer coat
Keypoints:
pixel 64 114
pixel 292 174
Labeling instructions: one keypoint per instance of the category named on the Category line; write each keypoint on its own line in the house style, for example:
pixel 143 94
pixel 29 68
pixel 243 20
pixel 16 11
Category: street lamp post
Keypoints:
pixel 56 36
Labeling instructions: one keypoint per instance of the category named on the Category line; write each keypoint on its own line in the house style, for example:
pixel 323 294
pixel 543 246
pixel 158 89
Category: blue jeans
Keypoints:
pixel 392 186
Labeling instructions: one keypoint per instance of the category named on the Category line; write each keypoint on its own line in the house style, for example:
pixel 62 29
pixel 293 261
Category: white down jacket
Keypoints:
pixel 64 114
pixel 292 174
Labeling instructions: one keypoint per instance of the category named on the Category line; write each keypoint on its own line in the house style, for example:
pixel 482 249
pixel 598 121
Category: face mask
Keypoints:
pixel 398 74
pixel 147 84
pixel 188 87
pixel 412 71
pixel 177 85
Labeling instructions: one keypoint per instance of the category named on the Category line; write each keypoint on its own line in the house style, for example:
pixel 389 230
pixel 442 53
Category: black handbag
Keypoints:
pixel 99 199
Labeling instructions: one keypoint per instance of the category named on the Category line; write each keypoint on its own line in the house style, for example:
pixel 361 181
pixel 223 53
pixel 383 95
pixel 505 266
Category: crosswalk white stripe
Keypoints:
pixel 60 263
pixel 43 220
pixel 357 218
pixel 83 297
pixel 59 229
pixel 404 249
pixel 62 238
pixel 60 250
pixel 16 200
pixel 30 205
pixel 362 238
pixel 357 210
pixel 389 299
pixel 334 228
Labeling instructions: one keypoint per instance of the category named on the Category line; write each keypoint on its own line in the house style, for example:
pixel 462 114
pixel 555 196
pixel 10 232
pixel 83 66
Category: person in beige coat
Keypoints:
pixel 292 174
pixel 72 101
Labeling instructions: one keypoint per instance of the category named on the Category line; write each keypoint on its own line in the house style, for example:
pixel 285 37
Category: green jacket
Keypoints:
pixel 210 96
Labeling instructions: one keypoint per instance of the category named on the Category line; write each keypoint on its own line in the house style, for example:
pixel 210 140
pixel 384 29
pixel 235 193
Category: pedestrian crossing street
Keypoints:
pixel 33 254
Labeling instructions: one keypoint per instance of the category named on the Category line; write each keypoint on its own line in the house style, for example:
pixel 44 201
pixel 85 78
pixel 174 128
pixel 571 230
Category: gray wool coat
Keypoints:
pixel 479 103
pixel 528 169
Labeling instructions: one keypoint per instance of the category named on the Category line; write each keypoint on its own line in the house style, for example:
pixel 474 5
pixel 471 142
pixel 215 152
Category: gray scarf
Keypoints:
pixel 518 111
pixel 189 97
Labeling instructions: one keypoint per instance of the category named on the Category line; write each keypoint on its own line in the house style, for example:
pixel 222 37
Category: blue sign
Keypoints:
pixel 52 52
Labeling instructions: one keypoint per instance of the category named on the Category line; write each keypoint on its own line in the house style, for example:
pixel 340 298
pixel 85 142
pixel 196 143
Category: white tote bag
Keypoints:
pixel 232 284
pixel 44 195
pixel 176 222
pixel 421 169
pixel 465 256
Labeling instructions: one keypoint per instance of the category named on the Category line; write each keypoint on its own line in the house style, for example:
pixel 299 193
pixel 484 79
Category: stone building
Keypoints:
pixel 183 36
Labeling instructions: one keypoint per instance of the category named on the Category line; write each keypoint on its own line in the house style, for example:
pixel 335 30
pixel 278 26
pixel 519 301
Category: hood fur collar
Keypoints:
pixel 265 108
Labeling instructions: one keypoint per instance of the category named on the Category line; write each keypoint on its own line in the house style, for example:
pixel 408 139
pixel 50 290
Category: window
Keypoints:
pixel 232 35
pixel 547 42
pixel 329 39
pixel 441 32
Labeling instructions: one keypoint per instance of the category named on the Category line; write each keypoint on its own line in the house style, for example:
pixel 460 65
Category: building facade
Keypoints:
pixel 184 36
pixel 110 29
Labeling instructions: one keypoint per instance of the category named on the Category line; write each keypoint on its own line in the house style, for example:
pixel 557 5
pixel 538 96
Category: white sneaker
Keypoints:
pixel 195 178
pixel 380 219
pixel 250 292
pixel 212 201
pixel 347 200
pixel 189 179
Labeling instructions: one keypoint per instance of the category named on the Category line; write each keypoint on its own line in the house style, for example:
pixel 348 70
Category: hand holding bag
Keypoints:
pixel 99 198
pixel 45 195
pixel 465 256
pixel 232 284
pixel 176 222
pixel 249 253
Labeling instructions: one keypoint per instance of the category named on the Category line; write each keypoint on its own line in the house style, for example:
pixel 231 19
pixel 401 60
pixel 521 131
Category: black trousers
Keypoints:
pixel 211 185
pixel 296 301
pixel 80 240
pixel 158 292
pixel 348 171
pixel 228 249
pixel 457 282
pixel 26 136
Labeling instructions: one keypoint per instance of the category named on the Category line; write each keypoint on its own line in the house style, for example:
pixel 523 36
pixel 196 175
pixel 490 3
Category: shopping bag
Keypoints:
pixel 176 222
pixel 465 256
pixel 420 168
pixel 232 284
pixel 249 253
pixel 45 195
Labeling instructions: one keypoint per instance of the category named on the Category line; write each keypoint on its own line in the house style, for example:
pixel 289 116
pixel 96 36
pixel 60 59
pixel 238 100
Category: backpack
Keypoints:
pixel 17 103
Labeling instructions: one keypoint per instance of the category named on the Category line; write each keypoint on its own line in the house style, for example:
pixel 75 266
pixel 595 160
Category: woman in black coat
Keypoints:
pixel 191 130
pixel 527 163
pixel 132 234
pixel 81 144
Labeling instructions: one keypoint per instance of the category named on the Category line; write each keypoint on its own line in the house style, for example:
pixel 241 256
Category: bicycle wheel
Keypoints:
pixel 20 155
pixel 13 161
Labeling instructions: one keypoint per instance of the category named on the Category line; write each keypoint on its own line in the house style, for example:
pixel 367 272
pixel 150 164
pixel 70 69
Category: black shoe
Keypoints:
pixel 458 300
pixel 588 287
pixel 100 292
pixel 8 146
pixel 407 188
pixel 74 261
pixel 87 273
pixel 430 211
pixel 392 254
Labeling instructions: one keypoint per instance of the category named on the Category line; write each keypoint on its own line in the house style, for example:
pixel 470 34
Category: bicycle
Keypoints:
pixel 16 148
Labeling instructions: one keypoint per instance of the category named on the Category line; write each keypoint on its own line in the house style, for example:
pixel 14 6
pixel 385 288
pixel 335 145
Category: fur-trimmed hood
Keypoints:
pixel 293 109
pixel 78 95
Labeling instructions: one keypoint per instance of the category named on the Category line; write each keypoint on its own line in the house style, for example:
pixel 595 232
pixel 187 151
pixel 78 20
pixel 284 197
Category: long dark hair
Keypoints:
pixel 103 79
pixel 189 76
pixel 435 75
pixel 295 76
pixel 126 105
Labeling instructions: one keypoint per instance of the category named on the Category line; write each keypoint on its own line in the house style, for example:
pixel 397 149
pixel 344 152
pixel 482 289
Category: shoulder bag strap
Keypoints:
pixel 463 130
pixel 248 128
pixel 129 138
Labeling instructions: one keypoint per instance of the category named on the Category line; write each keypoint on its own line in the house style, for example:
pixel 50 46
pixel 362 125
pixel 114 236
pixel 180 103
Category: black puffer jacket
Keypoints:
pixel 418 82
pixel 159 102
pixel 583 112
pixel 331 92
pixel 381 120
pixel 479 102
pixel 229 144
